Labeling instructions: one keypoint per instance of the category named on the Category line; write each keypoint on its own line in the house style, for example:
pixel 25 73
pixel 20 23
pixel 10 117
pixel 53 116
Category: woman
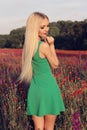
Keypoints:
pixel 44 100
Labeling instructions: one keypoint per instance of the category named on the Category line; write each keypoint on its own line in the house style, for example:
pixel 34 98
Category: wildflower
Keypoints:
pixel 70 72
pixel 80 91
pixel 74 93
pixel 15 99
pixel 78 78
pixel 63 95
pixel 83 83
pixel 0 82
pixel 19 108
pixel 76 121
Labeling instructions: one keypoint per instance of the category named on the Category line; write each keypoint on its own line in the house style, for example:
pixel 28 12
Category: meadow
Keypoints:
pixel 71 76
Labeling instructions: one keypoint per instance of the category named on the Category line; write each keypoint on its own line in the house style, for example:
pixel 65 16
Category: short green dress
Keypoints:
pixel 44 96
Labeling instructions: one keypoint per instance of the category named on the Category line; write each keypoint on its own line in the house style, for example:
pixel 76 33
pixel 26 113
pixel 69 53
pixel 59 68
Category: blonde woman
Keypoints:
pixel 44 101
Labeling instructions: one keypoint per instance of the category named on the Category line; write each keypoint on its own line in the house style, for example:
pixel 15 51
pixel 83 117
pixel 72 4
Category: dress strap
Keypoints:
pixel 37 52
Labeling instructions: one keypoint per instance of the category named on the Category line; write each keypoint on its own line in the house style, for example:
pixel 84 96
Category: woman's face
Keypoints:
pixel 44 28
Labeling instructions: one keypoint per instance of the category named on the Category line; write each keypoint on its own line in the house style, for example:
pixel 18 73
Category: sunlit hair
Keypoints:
pixel 31 43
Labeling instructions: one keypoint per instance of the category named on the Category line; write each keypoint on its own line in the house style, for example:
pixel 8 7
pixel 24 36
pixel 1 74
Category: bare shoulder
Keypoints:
pixel 44 49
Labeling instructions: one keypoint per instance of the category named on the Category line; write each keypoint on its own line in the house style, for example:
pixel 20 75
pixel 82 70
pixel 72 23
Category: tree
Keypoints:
pixel 68 36
pixel 16 37
pixel 3 39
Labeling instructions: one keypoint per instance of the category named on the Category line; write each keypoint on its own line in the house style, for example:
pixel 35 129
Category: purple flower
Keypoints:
pixel 76 121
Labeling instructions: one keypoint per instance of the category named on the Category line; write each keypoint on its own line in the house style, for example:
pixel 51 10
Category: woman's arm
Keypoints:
pixel 52 48
pixel 48 50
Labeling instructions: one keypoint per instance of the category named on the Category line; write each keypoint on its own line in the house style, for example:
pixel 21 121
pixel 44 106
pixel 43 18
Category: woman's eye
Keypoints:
pixel 42 28
pixel 48 26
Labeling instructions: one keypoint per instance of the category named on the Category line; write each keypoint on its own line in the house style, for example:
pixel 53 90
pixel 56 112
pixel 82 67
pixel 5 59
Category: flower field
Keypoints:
pixel 71 76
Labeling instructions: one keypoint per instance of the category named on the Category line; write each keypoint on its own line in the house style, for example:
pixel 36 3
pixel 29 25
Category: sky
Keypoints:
pixel 14 13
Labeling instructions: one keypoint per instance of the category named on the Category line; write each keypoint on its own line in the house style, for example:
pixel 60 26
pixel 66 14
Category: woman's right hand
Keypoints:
pixel 50 40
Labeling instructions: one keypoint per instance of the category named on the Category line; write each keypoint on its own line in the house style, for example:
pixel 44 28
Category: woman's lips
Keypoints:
pixel 45 33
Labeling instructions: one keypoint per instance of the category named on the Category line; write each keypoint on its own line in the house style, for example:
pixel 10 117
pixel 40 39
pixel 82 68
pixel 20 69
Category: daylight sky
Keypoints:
pixel 14 13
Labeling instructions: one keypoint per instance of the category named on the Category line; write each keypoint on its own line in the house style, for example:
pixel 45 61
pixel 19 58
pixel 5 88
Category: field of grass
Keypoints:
pixel 71 76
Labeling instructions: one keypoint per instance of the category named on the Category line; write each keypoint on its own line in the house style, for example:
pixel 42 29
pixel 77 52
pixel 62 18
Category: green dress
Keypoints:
pixel 44 96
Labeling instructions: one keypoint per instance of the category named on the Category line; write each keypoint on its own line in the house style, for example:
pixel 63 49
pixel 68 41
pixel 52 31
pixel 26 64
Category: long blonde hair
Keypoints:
pixel 30 45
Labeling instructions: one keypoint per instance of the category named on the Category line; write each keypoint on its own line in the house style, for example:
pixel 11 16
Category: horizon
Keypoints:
pixel 50 22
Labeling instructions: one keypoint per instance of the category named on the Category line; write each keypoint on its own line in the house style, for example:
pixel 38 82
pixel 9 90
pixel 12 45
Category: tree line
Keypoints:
pixel 68 35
